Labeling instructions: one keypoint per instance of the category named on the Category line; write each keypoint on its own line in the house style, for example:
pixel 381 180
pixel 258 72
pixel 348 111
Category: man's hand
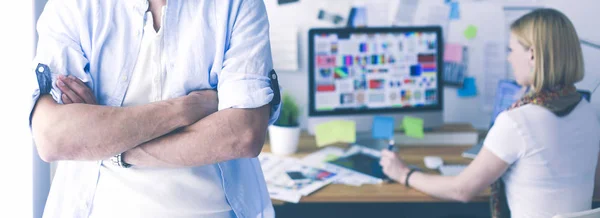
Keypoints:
pixel 75 91
pixel 197 104
pixel 393 166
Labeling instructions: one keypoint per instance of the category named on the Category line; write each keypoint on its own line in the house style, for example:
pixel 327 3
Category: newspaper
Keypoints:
pixel 288 179
pixel 344 176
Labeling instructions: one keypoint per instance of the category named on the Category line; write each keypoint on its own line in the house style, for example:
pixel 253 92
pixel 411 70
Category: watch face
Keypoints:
pixel 117 160
pixel 114 160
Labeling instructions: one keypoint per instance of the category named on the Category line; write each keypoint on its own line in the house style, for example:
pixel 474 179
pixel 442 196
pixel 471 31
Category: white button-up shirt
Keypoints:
pixel 222 44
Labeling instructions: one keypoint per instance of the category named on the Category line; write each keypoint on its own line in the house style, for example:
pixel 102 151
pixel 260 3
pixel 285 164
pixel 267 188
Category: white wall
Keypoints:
pixel 16 164
pixel 303 15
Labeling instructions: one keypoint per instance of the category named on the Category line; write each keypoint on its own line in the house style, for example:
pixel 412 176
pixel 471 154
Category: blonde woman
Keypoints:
pixel 545 147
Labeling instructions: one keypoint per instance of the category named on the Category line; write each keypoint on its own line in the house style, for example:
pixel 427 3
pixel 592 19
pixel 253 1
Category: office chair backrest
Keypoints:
pixel 584 214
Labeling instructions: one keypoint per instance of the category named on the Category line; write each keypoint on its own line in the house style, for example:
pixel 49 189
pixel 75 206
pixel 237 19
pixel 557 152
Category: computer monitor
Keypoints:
pixel 356 74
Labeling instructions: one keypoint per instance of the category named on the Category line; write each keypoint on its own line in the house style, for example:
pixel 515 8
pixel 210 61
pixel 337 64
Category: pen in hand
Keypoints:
pixel 391 145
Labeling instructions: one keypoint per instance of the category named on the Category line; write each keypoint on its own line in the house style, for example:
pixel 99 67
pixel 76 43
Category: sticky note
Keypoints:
pixel 413 127
pixel 454 11
pixel 469 88
pixel 453 52
pixel 334 132
pixel 346 131
pixel 470 32
pixel 383 127
pixel 325 133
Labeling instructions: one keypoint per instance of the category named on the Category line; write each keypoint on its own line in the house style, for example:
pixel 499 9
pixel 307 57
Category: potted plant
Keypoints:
pixel 284 134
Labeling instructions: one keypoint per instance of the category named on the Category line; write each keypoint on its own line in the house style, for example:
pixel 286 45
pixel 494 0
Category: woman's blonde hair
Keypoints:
pixel 556 50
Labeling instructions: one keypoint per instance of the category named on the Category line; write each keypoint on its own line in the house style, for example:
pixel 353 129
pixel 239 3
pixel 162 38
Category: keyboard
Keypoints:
pixel 452 170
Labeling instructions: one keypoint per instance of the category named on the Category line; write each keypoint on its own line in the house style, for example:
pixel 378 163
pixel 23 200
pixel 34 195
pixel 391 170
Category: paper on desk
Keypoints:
pixel 345 176
pixel 331 157
pixel 284 47
pixel 282 187
pixel 283 194
pixel 413 127
pixel 317 158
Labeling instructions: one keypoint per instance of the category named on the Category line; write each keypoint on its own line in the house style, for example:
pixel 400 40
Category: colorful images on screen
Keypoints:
pixel 370 71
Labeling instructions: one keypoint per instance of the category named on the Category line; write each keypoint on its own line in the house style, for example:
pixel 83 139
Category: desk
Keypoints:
pixel 385 200
pixel 390 193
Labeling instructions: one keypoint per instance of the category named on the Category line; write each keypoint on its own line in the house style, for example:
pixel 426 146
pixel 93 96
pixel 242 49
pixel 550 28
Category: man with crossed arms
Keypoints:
pixel 125 100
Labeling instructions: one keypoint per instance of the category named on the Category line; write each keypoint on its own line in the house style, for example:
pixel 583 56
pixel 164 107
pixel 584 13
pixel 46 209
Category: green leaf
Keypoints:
pixel 289 113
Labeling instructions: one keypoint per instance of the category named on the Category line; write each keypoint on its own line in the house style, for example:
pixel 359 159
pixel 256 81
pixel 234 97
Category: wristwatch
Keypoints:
pixel 117 160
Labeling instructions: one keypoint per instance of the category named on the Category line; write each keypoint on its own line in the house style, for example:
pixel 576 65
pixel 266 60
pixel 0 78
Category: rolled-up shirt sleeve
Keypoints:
pixel 244 80
pixel 58 50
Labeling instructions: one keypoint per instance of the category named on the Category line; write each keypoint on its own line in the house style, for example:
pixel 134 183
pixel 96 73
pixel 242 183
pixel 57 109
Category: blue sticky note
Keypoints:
pixel 383 127
pixel 454 11
pixel 469 88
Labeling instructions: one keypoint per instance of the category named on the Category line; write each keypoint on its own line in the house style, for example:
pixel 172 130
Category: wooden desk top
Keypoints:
pixel 393 192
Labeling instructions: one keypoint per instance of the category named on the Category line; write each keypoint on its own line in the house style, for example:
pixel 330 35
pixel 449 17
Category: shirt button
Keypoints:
pixel 124 78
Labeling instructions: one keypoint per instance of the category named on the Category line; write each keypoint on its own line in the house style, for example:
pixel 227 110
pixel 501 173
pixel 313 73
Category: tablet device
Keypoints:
pixel 362 163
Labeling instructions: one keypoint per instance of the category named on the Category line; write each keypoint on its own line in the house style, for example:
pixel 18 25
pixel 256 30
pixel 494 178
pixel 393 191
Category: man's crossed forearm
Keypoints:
pixel 177 132
pixel 222 136
pixel 94 132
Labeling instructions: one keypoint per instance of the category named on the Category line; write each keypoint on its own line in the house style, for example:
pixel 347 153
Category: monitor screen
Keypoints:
pixel 374 70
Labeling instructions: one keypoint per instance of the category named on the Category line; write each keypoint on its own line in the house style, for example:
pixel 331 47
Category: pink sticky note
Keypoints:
pixel 453 53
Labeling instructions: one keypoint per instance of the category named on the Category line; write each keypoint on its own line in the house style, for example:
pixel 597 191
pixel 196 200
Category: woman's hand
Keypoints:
pixel 75 91
pixel 393 166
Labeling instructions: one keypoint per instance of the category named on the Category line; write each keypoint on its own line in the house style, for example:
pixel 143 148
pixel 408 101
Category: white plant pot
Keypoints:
pixel 283 140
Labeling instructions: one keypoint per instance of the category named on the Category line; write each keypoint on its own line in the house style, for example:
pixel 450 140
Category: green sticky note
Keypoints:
pixel 470 32
pixel 335 131
pixel 326 133
pixel 413 127
pixel 346 131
